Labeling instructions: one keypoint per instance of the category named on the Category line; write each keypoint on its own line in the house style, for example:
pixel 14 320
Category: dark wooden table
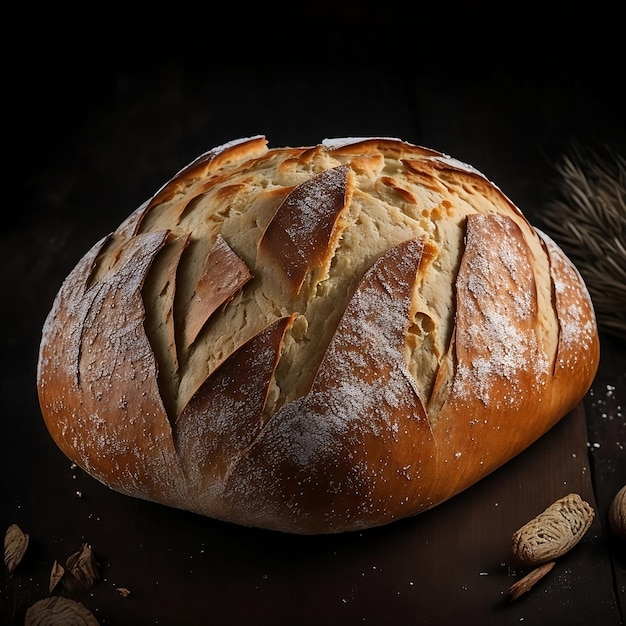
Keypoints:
pixel 99 119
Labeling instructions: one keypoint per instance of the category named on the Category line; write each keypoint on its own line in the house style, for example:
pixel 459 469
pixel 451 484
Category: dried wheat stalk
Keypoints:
pixel 588 220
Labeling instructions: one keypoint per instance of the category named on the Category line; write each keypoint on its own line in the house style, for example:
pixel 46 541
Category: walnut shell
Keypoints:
pixel 57 610
pixel 15 544
pixel 617 514
pixel 554 532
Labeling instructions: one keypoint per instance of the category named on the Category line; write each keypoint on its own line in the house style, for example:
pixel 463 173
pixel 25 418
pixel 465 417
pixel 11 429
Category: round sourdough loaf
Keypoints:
pixel 315 339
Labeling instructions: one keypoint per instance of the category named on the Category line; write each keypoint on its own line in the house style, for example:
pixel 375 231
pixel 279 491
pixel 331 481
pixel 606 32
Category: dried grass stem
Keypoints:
pixel 587 218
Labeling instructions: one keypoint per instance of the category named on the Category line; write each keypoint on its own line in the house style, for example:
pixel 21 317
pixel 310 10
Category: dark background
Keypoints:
pixel 103 105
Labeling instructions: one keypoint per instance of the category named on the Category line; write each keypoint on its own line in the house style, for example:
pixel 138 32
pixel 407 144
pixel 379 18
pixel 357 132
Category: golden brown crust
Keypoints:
pixel 303 232
pixel 223 275
pixel 314 339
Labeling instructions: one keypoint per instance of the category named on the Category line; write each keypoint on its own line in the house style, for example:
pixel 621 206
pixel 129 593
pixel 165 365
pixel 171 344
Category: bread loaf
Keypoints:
pixel 314 339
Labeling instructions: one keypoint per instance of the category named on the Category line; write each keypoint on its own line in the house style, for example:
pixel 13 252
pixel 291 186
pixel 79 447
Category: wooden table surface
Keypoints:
pixel 99 120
